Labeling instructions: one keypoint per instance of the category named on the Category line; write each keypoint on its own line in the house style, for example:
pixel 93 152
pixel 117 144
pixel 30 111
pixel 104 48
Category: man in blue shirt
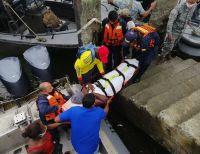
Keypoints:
pixel 85 124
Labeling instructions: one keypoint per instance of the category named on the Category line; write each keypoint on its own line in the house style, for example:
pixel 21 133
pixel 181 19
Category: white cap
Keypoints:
pixel 130 25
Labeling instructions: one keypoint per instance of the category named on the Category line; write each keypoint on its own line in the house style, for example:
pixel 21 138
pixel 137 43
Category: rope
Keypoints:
pixel 43 39
pixel 105 7
pixel 37 37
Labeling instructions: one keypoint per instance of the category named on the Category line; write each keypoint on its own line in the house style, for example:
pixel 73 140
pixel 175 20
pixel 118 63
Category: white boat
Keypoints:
pixel 22 111
pixel 14 120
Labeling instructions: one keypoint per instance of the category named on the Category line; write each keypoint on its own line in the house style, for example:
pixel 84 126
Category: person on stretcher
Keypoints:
pixel 112 82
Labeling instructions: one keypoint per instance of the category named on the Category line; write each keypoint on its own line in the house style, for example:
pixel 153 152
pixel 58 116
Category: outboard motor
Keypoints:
pixel 13 76
pixel 39 61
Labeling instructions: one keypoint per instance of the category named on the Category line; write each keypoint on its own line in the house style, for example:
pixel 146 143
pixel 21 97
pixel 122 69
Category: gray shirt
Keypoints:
pixel 179 17
pixel 135 9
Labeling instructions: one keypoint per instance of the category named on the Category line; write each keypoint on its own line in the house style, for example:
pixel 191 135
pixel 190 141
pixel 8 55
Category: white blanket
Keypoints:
pixel 116 79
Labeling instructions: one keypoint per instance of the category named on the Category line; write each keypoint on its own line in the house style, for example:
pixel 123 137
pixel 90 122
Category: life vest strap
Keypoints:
pixel 145 29
pixel 120 73
pixel 98 84
pixel 113 88
pixel 132 65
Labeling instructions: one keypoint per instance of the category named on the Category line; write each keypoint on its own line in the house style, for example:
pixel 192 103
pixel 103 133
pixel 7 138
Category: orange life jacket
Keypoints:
pixel 54 100
pixel 59 98
pixel 113 36
pixel 145 30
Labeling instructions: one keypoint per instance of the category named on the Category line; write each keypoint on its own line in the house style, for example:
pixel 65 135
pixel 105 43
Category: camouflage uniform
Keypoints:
pixel 178 20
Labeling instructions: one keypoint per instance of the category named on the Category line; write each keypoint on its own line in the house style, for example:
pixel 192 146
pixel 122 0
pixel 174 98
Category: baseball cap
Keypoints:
pixel 129 37
pixel 103 54
pixel 130 25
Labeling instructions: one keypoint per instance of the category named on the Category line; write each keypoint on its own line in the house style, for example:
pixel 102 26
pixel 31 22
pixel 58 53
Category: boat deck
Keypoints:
pixel 10 134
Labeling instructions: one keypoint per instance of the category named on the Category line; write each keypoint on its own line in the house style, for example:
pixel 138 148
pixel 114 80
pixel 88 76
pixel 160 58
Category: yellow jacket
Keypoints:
pixel 84 64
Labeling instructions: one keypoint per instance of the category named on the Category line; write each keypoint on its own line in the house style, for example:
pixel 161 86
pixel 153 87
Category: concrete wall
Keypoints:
pixel 86 10
pixel 165 104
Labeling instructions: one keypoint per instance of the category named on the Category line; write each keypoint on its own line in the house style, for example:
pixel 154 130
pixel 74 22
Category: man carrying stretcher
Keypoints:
pixel 112 82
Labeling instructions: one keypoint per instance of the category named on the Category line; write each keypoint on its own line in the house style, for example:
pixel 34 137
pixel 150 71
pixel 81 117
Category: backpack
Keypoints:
pixel 88 46
pixel 50 19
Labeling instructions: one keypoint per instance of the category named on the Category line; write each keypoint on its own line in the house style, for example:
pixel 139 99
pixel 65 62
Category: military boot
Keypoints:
pixel 160 59
pixel 168 57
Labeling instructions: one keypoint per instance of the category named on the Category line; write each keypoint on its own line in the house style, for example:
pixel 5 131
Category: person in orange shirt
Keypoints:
pixel 113 31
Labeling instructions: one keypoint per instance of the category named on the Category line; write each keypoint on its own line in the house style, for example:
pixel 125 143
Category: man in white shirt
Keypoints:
pixel 134 7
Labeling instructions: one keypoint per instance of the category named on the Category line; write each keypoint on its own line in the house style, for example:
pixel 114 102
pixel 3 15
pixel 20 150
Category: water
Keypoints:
pixel 62 62
pixel 136 141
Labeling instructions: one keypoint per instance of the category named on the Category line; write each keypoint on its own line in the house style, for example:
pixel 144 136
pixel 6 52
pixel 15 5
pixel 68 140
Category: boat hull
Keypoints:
pixel 11 140
pixel 19 88
pixel 43 75
pixel 13 76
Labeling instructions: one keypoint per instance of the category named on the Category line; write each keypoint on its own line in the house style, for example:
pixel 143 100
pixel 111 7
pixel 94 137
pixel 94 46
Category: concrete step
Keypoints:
pixel 162 76
pixel 166 106
pixel 154 69
pixel 142 97
pixel 191 129
pixel 181 110
pixel 179 91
